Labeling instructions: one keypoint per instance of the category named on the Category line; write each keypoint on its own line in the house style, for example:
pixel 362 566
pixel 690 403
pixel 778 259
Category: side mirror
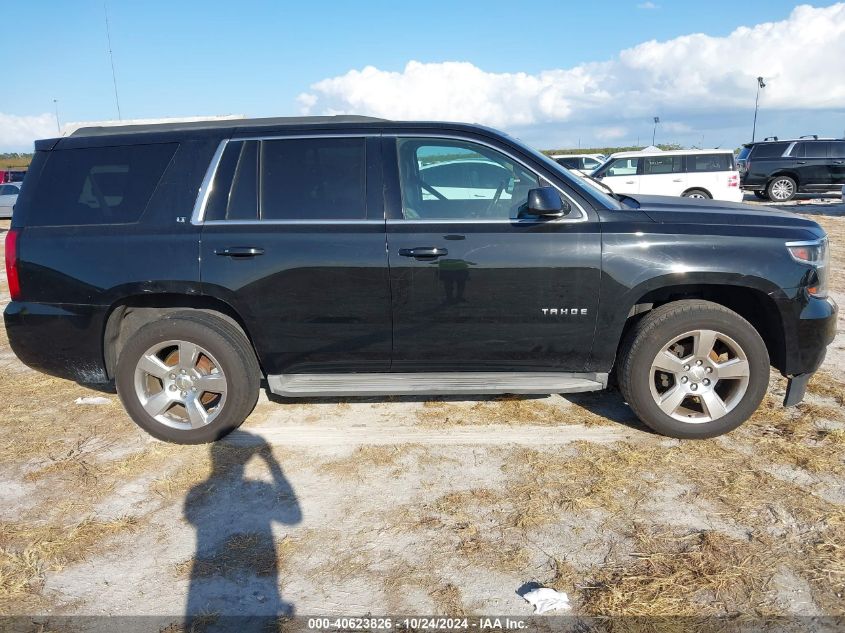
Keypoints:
pixel 545 202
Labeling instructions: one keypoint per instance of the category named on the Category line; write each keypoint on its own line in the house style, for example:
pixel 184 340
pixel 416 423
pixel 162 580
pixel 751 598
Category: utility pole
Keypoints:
pixel 56 106
pixel 760 84
pixel 654 130
pixel 111 59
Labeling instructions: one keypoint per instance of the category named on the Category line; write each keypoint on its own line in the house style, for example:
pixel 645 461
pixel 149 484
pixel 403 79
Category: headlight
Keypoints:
pixel 817 255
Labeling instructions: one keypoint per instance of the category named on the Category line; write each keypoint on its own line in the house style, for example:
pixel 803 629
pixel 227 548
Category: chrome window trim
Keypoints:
pixel 266 222
pixel 787 153
pixel 583 217
pixel 205 188
pixel 198 214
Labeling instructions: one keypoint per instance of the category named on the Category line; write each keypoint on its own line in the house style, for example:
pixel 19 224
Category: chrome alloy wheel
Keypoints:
pixel 180 384
pixel 697 196
pixel 782 189
pixel 700 376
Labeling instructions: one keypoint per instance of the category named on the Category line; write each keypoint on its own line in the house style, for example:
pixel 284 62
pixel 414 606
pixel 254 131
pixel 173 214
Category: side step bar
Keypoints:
pixel 433 383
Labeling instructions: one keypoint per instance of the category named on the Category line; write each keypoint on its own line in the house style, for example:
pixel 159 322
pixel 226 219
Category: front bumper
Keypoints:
pixel 64 340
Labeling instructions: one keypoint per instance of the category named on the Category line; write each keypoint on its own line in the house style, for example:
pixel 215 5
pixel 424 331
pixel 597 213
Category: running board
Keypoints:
pixel 433 383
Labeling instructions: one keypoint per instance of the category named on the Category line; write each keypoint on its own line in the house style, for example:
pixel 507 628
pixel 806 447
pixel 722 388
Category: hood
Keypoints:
pixel 672 210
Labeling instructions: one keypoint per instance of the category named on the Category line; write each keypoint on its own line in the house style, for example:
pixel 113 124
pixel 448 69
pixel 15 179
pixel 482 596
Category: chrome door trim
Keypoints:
pixel 205 188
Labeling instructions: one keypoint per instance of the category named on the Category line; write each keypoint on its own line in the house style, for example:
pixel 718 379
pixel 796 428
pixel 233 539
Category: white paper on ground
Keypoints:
pixel 545 599
pixel 92 400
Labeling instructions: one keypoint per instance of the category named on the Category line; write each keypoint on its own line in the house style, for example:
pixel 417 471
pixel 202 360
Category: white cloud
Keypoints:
pixel 611 133
pixel 683 77
pixel 647 5
pixel 20 131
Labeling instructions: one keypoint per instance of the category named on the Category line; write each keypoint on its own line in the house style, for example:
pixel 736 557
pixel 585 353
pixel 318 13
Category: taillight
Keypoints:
pixel 733 180
pixel 12 264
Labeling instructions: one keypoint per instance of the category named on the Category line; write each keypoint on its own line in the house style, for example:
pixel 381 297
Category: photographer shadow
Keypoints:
pixel 234 576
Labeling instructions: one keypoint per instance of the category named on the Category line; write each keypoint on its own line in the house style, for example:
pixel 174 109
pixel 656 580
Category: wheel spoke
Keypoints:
pixel 735 368
pixel 188 355
pixel 672 399
pixel 197 414
pixel 704 342
pixel 668 362
pixel 152 365
pixel 158 403
pixel 714 405
pixel 214 383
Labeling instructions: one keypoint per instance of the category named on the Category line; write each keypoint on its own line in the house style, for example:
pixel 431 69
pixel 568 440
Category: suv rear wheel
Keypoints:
pixel 697 193
pixel 693 369
pixel 781 189
pixel 188 378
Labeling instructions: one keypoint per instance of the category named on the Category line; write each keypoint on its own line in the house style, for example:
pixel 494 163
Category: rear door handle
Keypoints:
pixel 423 252
pixel 240 251
pixel 677 180
pixel 802 162
pixel 630 182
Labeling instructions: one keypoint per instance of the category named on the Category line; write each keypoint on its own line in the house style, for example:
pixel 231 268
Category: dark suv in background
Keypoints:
pixel 352 256
pixel 777 170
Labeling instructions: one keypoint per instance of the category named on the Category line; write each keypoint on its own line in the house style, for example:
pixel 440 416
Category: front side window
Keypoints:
pixel 446 179
pixel 662 165
pixel 312 179
pixel 709 162
pixel 622 167
pixel 591 163
pixel 568 162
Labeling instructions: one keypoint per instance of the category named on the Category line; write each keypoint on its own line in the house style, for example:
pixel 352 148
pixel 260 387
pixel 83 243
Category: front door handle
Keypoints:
pixel 240 251
pixel 677 180
pixel 802 162
pixel 630 182
pixel 423 252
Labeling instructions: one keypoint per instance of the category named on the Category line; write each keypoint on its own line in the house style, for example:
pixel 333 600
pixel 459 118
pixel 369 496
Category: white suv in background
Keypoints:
pixel 699 173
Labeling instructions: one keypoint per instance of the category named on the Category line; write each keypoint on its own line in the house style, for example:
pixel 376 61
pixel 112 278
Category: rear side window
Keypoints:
pixel 710 162
pixel 769 150
pixel 313 179
pixel 837 149
pixel 98 185
pixel 662 165
pixel 743 153
pixel 815 150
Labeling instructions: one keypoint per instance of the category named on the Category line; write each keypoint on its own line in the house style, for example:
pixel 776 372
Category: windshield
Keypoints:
pixel 579 184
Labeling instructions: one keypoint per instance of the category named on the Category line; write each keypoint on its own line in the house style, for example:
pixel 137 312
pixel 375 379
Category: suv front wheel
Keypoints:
pixel 693 369
pixel 188 378
pixel 781 189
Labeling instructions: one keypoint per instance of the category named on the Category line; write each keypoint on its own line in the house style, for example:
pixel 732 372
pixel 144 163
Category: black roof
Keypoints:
pixel 225 124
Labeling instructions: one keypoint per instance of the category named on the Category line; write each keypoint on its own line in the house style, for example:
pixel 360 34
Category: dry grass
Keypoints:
pixel 365 458
pixel 508 410
pixel 27 552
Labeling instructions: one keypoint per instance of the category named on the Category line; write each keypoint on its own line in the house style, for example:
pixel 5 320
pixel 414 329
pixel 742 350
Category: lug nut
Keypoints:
pixel 684 379
pixel 693 386
pixel 706 382
pixel 172 376
pixel 699 363
pixel 709 370
pixel 172 387
pixel 184 394
pixel 193 388
pixel 686 367
pixel 185 372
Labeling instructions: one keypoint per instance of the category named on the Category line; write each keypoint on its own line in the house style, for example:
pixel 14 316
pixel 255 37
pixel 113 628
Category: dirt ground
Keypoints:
pixel 415 506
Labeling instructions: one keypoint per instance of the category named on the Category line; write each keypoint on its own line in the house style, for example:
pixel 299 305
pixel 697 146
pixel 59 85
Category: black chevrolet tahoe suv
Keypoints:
pixel 348 256
pixel 777 170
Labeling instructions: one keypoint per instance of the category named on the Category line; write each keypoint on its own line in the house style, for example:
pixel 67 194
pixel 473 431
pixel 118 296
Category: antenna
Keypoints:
pixel 111 59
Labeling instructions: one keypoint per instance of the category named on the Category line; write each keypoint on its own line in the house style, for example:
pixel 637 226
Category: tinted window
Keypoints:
pixel 662 165
pixel 769 150
pixel 590 163
pixel 444 179
pixel 815 150
pixel 622 167
pixel 837 149
pixel 743 153
pixel 313 179
pixel 234 192
pixel 710 162
pixel 569 163
pixel 98 185
pixel 8 190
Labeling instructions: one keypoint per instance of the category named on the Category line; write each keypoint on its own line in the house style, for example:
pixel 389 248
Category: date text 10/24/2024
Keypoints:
pixel 416 623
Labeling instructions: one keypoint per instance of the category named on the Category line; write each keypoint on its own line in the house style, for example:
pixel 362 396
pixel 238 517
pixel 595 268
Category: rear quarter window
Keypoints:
pixel 97 185
pixel 709 162
pixel 769 150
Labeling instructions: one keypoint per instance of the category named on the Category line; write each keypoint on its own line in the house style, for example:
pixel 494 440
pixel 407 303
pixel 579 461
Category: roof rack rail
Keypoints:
pixel 770 138
pixel 815 137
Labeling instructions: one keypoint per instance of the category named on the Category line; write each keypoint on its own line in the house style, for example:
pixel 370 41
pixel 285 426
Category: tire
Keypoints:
pixel 781 189
pixel 697 193
pixel 761 195
pixel 682 325
pixel 165 396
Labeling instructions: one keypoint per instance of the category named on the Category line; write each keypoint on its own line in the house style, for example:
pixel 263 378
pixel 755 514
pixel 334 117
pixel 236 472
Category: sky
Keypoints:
pixel 555 73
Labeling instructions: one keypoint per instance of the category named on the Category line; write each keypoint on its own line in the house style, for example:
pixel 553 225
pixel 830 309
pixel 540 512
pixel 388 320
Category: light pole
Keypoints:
pixel 56 106
pixel 760 84
pixel 654 131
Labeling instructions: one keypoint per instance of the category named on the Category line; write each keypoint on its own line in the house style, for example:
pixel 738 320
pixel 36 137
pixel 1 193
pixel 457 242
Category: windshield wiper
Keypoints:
pixel 603 186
